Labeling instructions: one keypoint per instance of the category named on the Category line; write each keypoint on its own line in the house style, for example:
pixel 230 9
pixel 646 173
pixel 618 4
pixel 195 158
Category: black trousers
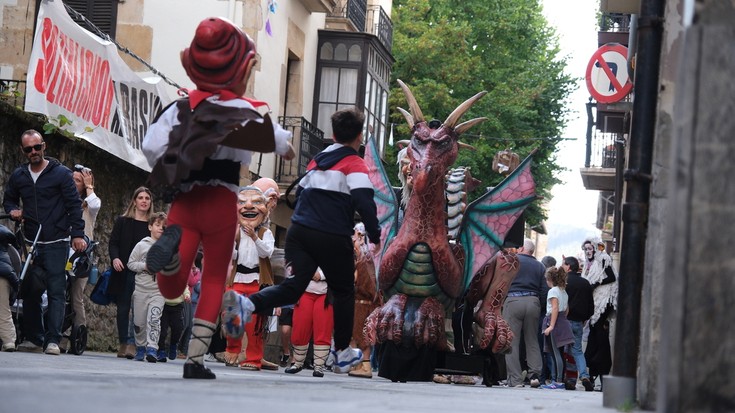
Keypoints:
pixel 305 250
pixel 171 317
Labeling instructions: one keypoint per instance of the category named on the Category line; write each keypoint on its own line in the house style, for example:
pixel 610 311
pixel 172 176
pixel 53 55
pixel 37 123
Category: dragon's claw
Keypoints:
pixel 386 323
pixel 429 325
pixel 496 332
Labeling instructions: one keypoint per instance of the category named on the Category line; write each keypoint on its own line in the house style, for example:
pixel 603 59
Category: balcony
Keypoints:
pixel 357 16
pixel 319 6
pixel 348 16
pixel 614 22
pixel 614 28
pixel 605 136
pixel 379 24
pixel 308 139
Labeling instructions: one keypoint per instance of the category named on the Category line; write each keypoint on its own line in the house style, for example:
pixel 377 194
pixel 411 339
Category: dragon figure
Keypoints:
pixel 421 271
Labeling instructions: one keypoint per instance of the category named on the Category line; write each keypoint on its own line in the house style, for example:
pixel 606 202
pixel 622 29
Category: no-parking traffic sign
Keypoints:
pixel 607 73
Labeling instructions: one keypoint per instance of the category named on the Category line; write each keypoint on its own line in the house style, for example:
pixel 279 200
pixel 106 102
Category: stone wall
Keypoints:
pixel 115 181
pixel 697 337
pixel 655 276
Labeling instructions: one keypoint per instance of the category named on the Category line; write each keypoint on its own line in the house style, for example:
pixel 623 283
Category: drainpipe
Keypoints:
pixel 620 388
pixel 590 125
pixel 632 43
pixel 619 166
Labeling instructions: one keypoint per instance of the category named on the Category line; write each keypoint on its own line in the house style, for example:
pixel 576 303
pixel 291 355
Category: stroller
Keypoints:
pixel 21 256
pixel 11 265
pixel 80 265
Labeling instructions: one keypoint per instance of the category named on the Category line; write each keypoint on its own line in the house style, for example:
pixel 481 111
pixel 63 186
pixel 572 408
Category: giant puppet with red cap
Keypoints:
pixel 196 148
pixel 219 57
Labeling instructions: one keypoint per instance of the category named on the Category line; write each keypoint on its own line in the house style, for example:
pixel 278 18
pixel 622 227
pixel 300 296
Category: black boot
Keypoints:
pixel 197 371
pixel 201 336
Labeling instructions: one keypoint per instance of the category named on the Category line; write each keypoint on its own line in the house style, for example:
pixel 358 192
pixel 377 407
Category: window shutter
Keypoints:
pixel 102 13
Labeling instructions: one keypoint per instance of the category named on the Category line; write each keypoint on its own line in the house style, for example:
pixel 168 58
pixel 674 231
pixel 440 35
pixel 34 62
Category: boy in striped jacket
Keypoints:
pixel 335 186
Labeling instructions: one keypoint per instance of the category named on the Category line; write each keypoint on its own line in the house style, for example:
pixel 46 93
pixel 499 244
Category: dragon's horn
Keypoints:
pixel 463 145
pixel 403 143
pixel 461 109
pixel 412 105
pixel 464 126
pixel 408 117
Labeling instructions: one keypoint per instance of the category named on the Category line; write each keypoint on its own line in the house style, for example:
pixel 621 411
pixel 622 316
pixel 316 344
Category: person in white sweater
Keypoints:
pixel 91 204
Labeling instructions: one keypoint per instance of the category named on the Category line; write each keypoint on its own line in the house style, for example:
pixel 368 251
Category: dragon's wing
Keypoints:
pixel 488 219
pixel 385 198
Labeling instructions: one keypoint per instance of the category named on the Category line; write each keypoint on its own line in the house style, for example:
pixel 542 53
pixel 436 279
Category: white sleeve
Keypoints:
pixel 136 263
pixel 155 142
pixel 266 245
pixel 282 138
pixel 94 203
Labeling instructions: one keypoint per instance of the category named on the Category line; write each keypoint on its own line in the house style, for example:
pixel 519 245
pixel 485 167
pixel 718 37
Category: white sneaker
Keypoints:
pixel 53 349
pixel 29 347
pixel 345 359
pixel 9 347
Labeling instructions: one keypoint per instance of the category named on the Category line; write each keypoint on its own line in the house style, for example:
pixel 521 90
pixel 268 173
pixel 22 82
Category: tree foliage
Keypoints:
pixel 448 50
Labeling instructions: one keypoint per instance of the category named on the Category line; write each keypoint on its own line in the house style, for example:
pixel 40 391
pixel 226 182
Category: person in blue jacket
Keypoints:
pixel 42 191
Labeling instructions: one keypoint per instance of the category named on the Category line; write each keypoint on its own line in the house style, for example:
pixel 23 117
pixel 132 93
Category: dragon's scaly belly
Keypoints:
pixel 417 277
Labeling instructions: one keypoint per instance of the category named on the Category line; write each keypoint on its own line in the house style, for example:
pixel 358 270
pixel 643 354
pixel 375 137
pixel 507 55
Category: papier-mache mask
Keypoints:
pixel 252 206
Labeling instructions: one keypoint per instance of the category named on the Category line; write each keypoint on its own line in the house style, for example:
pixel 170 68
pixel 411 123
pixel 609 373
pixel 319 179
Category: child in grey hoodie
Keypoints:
pixel 147 299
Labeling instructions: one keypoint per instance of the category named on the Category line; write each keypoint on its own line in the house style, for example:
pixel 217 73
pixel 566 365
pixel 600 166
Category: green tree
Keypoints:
pixel 448 50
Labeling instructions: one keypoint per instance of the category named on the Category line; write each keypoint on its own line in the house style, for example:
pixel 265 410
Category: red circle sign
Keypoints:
pixel 607 73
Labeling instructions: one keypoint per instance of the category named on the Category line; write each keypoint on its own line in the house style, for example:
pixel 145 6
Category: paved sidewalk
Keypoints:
pixel 95 382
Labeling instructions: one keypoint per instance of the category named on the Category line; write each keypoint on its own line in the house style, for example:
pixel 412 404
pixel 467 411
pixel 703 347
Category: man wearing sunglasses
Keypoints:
pixel 43 191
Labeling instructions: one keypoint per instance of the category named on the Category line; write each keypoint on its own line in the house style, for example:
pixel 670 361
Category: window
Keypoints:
pixel 338 91
pixel 376 98
pixel 102 13
pixel 353 70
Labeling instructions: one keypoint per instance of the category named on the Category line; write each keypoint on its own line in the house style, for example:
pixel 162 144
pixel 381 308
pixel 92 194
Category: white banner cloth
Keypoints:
pixel 74 73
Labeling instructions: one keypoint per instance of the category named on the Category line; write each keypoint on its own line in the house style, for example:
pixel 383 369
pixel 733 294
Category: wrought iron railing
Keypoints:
pixel 602 150
pixel 379 24
pixel 13 92
pixel 353 10
pixel 310 141
pixel 614 22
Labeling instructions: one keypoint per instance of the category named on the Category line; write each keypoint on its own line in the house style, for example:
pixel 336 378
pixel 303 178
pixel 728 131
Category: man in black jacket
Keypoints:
pixel 43 191
pixel 581 307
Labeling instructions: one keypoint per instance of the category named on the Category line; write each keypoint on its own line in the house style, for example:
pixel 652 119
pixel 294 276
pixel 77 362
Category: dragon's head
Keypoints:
pixel 434 144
